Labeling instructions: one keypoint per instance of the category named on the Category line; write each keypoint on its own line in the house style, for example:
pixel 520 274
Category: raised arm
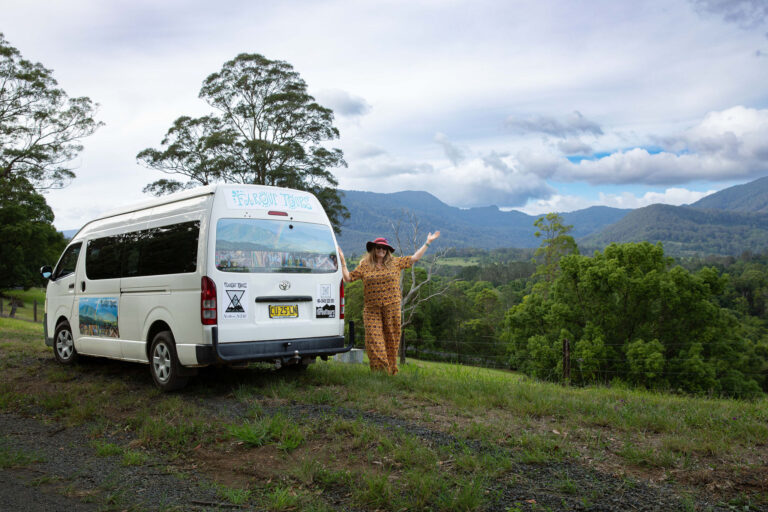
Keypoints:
pixel 344 270
pixel 430 238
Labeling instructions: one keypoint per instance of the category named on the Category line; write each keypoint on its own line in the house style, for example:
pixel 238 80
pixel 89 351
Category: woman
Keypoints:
pixel 380 272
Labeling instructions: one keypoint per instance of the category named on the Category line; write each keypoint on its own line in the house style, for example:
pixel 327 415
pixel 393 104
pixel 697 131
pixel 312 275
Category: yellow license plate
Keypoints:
pixel 290 311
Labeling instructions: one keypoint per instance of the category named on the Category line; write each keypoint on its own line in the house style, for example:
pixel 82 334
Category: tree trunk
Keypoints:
pixel 402 348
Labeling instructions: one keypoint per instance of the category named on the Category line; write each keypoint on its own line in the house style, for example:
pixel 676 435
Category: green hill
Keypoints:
pixel 750 197
pixel 685 230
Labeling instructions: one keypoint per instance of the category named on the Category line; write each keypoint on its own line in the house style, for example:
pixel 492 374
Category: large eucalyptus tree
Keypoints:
pixel 265 129
pixel 40 126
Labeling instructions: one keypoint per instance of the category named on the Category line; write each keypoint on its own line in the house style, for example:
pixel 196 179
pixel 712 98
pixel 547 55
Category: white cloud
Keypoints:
pixel 566 203
pixel 574 124
pixel 747 14
pixel 452 152
pixel 343 103
pixel 574 146
pixel 725 145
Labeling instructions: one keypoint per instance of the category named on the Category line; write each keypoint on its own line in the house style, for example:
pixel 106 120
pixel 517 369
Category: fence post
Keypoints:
pixel 35 309
pixel 1 305
pixel 566 362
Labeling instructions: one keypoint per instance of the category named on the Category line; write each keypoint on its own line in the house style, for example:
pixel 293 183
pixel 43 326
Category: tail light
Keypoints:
pixel 341 300
pixel 208 301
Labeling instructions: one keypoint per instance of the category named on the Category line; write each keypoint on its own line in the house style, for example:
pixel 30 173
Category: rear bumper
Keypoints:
pixel 272 349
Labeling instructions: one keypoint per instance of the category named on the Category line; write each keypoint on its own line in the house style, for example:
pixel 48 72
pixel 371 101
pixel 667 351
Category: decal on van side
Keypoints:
pixel 98 317
pixel 325 304
pixel 264 199
pixel 237 300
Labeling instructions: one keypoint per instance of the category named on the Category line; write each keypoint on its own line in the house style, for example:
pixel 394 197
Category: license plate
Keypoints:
pixel 289 311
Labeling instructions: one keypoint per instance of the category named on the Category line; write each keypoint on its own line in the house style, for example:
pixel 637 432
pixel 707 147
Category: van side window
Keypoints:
pixel 149 252
pixel 162 250
pixel 102 258
pixel 67 263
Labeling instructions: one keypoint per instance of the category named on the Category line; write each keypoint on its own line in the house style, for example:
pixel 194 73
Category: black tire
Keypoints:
pixel 64 344
pixel 164 364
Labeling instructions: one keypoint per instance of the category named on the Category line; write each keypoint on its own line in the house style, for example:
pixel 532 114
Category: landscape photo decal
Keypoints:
pixel 98 317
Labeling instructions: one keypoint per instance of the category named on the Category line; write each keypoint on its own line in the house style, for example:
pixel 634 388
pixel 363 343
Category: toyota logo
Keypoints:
pixel 284 285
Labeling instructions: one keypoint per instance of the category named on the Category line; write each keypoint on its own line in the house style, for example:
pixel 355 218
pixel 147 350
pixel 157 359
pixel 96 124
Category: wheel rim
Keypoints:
pixel 161 362
pixel 64 345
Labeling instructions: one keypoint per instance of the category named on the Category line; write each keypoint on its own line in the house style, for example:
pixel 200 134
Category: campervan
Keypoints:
pixel 221 274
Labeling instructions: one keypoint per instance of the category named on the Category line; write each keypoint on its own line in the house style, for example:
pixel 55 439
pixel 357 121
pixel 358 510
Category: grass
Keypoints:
pixel 498 420
pixel 27 311
pixel 11 457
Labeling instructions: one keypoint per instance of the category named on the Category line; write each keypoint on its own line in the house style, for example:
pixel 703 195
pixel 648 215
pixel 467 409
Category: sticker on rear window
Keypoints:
pixel 237 301
pixel 325 304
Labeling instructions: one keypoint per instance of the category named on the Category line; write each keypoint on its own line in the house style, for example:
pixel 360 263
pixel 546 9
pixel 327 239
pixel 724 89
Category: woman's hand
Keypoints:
pixel 433 236
pixel 344 271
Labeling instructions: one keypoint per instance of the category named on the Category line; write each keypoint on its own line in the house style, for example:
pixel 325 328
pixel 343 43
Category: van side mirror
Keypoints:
pixel 46 271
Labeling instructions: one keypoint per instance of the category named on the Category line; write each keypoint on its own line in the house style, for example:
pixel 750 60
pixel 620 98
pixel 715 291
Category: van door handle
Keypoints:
pixel 71 286
pixel 82 286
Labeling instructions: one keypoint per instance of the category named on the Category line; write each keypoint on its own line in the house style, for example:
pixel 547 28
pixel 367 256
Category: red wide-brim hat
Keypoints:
pixel 379 241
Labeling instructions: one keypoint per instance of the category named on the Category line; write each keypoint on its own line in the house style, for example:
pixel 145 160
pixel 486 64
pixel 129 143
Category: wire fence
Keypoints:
pixel 14 308
pixel 476 353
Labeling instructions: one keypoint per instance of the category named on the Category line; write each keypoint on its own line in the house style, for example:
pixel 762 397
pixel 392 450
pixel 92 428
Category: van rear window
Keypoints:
pixel 267 245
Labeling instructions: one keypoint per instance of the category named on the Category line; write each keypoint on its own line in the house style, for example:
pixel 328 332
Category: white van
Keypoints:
pixel 217 274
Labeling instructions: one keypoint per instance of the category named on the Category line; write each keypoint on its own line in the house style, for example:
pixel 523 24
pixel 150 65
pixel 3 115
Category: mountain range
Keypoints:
pixel 727 222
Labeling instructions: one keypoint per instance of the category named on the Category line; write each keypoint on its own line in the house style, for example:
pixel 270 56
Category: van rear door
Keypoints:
pixel 276 279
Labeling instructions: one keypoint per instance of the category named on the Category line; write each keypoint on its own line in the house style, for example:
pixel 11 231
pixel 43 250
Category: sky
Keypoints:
pixel 538 106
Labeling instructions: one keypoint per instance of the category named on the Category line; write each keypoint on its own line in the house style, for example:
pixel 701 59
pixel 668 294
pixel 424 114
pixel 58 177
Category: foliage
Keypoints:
pixel 555 243
pixel 29 239
pixel 40 126
pixel 629 314
pixel 267 130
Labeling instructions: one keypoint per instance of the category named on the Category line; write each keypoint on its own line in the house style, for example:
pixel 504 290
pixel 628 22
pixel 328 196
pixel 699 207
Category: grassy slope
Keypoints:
pixel 28 296
pixel 698 444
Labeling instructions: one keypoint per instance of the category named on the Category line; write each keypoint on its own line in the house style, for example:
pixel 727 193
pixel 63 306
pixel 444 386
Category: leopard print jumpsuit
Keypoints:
pixel 381 311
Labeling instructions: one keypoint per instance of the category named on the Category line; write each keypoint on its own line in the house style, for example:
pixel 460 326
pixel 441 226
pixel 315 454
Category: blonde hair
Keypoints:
pixel 370 258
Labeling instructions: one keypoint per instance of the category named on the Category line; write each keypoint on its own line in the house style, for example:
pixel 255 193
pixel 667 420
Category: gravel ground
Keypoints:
pixel 69 476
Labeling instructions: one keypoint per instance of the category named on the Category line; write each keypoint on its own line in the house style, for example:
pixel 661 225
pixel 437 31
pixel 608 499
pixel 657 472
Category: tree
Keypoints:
pixel 40 127
pixel 29 239
pixel 266 130
pixel 556 243
pixel 194 148
pixel 413 295
pixel 634 316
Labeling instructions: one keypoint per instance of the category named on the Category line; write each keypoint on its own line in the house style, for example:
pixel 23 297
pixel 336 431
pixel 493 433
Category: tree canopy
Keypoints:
pixel 29 238
pixel 40 126
pixel 630 315
pixel 556 243
pixel 265 129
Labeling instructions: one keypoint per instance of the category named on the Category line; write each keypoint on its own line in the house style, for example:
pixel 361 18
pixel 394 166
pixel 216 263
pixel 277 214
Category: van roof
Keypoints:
pixel 150 203
pixel 172 198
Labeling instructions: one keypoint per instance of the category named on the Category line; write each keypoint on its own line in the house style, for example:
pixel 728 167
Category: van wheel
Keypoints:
pixel 164 364
pixel 64 344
